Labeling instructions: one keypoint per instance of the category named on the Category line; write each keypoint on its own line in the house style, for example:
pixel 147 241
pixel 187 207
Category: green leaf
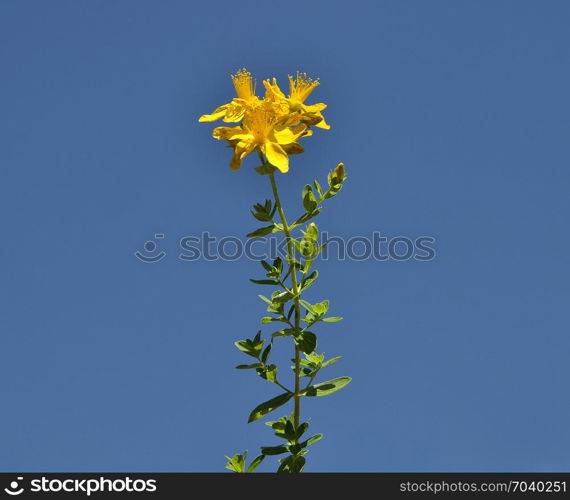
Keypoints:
pixel 271 373
pixel 315 358
pixel 264 282
pixel 282 297
pixel 265 353
pixel 311 440
pixel 289 429
pixel 252 348
pixel 318 187
pixel 286 332
pixel 306 305
pixel 268 373
pixel 314 439
pixel 285 464
pixel 292 464
pixel 278 264
pixel 261 216
pixel 268 267
pixel 237 462
pixel 263 212
pixel 307 342
pixel 262 231
pixel 265 299
pixel 247 367
pixel 272 271
pixel 295 448
pixel 312 232
pixel 265 169
pixel 309 201
pixel 268 406
pixel 315 311
pixel 307 281
pixel 269 319
pixel 329 387
pixel 333 191
pixel 275 308
pixel 284 427
pixel 297 244
pixel 306 216
pixel 273 450
pixel 255 463
pixel 301 430
pixel 305 247
pixel 332 319
pixel 331 361
pixel 321 307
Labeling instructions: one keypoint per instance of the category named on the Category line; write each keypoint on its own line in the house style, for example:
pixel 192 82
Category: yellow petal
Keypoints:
pixel 287 135
pixel 312 119
pixel 234 112
pixel 241 150
pixel 294 148
pixel 323 123
pixel 314 108
pixel 230 133
pixel 283 136
pixel 276 156
pixel 272 90
pixel 301 130
pixel 215 115
pixel 290 119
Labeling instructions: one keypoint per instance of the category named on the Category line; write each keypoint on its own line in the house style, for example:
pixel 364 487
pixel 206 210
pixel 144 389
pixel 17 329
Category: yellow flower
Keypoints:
pixel 271 125
pixel 234 110
pixel 264 128
pixel 300 88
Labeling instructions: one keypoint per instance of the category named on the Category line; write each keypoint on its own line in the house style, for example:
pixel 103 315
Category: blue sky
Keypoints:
pixel 452 120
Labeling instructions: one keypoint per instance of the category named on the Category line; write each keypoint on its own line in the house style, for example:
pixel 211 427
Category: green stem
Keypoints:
pixel 282 386
pixel 295 290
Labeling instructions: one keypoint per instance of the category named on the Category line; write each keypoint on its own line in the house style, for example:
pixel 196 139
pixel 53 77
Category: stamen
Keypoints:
pixel 301 87
pixel 244 84
pixel 262 118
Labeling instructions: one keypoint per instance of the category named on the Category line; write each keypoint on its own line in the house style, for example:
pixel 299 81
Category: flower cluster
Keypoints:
pixel 271 125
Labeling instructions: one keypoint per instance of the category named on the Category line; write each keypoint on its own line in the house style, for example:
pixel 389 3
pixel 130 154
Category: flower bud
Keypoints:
pixel 338 175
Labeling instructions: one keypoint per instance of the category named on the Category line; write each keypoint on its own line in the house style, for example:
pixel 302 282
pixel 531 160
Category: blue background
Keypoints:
pixel 452 119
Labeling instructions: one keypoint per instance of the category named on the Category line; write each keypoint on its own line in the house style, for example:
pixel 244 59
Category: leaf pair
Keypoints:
pixel 273 273
pixel 322 389
pixel 251 347
pixel 314 362
pixel 237 463
pixel 265 212
pixel 315 312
